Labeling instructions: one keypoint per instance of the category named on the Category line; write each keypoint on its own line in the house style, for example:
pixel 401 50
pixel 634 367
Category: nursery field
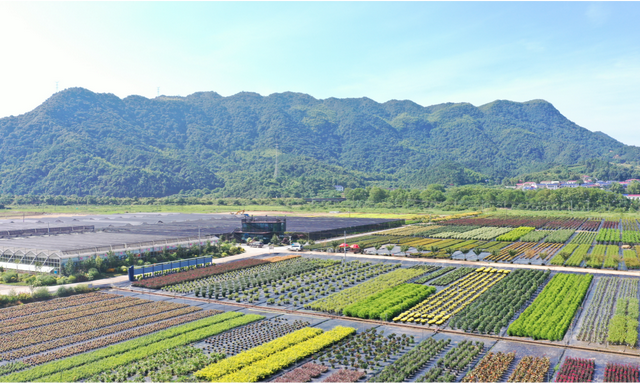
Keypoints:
pixel 322 318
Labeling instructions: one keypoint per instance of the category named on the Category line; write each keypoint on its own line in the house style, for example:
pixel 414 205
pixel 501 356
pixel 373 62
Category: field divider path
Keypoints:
pixel 393 324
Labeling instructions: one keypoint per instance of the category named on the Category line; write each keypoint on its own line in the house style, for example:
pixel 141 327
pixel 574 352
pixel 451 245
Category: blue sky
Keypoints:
pixel 584 57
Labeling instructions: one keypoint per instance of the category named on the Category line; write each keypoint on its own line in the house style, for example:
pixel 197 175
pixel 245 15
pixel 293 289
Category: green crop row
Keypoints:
pixel 631 259
pixel 613 257
pixel 630 237
pixel 608 235
pixel 390 302
pixel 596 258
pixel 535 236
pixel 336 302
pixel 578 255
pixel 549 317
pixel 87 364
pixel 453 276
pixel 623 328
pixel 584 238
pixel 515 234
pixel 560 236
pixel 494 309
pixel 563 254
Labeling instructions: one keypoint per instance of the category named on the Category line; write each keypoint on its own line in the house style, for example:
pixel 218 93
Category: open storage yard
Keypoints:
pixel 416 316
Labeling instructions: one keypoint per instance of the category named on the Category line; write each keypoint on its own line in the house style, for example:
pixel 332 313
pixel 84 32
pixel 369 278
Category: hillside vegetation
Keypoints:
pixel 84 143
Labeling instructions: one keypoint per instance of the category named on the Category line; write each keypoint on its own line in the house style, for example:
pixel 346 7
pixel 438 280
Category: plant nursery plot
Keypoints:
pixel 515 234
pixel 105 359
pixel 368 350
pixel 449 367
pixel 408 364
pixel 578 255
pixel 491 367
pixel 494 309
pixel 438 308
pixel 336 302
pixel 631 259
pixel 542 251
pixel 612 259
pixel 591 225
pixel 623 328
pixel 89 322
pixel 596 258
pixel 176 364
pixel 193 274
pixel 453 276
pixel 344 375
pixel 564 254
pixel 611 225
pixel 535 236
pixel 550 314
pixel 389 302
pixel 630 224
pixel 241 339
pixel 510 252
pixel 617 372
pixel 631 237
pixel 531 369
pixel 608 236
pixel 576 370
pixel 560 236
pixel 584 238
pixel 565 223
pixel 303 373
pixel 264 273
pixel 434 274
pixel 50 306
pixel 263 361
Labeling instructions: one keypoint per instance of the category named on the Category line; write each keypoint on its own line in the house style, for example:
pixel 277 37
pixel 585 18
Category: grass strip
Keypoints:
pixel 78 360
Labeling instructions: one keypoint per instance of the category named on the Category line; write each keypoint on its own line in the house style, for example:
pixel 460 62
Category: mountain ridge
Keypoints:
pixel 81 142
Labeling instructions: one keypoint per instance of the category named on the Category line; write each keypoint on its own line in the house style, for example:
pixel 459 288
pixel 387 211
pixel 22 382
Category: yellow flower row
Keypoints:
pixel 443 305
pixel 274 363
pixel 237 362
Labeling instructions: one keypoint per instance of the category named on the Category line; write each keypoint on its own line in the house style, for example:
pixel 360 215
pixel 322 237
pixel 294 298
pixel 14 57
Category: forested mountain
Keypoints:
pixel 80 142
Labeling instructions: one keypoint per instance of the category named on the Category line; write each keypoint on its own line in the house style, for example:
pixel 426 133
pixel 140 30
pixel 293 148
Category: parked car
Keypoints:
pixel 295 247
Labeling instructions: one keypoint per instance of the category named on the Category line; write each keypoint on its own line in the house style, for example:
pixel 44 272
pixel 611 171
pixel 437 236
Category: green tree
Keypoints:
pixel 633 187
pixel 377 194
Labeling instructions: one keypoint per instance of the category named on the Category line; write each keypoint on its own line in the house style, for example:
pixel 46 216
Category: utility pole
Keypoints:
pixel 345 247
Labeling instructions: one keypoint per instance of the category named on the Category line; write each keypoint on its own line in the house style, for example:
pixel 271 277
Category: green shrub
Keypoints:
pixel 81 289
pixel 10 277
pixel 72 279
pixel 47 280
pixel 61 281
pixel 41 293
pixel 63 291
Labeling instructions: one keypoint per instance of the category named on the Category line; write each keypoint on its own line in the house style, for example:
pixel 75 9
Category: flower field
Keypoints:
pixel 576 370
pixel 491 367
pixel 591 225
pixel 530 369
pixel 390 302
pixel 450 366
pixel 493 310
pixel 550 314
pixel 615 372
pixel 565 223
pixel 438 308
pixel 336 302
